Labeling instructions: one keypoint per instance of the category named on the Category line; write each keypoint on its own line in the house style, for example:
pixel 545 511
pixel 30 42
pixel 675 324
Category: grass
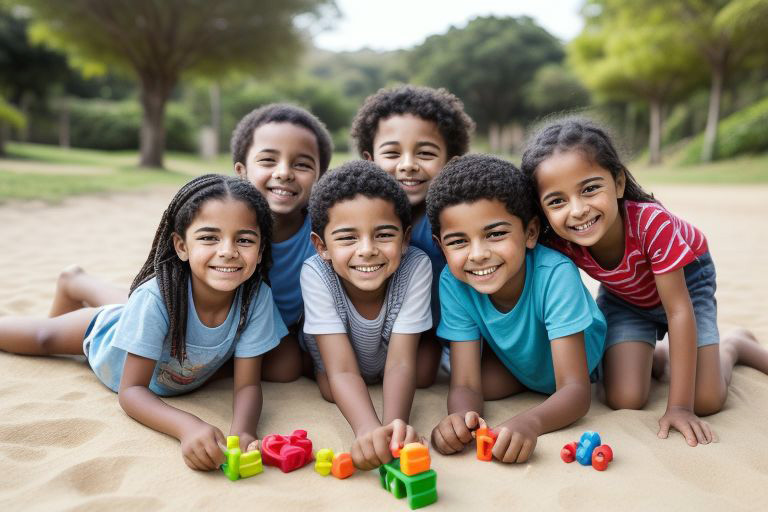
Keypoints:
pixel 50 173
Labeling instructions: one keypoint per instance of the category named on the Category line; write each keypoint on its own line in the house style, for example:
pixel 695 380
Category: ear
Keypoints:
pixel 320 246
pixel 532 233
pixel 621 182
pixel 181 247
pixel 241 171
pixel 367 156
pixel 406 240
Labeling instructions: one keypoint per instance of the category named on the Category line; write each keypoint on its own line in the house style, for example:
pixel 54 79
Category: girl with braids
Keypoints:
pixel 656 277
pixel 199 299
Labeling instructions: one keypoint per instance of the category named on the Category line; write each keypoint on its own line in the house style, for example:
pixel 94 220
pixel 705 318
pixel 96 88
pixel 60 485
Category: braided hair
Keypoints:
pixel 577 134
pixel 172 273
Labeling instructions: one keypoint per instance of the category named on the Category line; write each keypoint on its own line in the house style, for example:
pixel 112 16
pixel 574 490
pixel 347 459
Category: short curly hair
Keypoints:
pixel 470 178
pixel 242 136
pixel 436 105
pixel 359 177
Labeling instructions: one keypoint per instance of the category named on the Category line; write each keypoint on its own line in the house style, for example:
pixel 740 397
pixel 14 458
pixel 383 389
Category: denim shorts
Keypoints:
pixel 627 322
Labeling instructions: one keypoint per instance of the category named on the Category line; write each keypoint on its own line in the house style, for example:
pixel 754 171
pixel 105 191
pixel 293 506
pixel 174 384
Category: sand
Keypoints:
pixel 65 444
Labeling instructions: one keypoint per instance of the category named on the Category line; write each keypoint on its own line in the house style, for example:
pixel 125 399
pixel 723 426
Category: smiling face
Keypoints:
pixel 364 242
pixel 412 150
pixel 485 246
pixel 580 200
pixel 283 163
pixel 222 245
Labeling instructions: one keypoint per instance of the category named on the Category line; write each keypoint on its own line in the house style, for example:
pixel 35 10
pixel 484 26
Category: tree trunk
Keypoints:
pixel 494 137
pixel 154 95
pixel 713 114
pixel 64 122
pixel 654 143
pixel 215 94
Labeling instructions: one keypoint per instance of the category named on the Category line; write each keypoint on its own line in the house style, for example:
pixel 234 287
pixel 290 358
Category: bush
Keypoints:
pixel 113 125
pixel 743 132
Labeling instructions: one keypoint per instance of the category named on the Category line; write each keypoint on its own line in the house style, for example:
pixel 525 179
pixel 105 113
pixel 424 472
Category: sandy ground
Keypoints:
pixel 65 444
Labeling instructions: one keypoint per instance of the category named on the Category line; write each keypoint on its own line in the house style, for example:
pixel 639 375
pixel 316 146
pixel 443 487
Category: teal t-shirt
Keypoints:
pixel 554 303
pixel 287 258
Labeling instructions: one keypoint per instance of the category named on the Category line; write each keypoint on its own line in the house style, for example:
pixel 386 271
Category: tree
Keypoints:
pixel 487 64
pixel 621 59
pixel 160 40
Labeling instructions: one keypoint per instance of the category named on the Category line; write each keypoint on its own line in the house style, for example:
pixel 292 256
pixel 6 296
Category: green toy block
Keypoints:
pixel 240 465
pixel 421 489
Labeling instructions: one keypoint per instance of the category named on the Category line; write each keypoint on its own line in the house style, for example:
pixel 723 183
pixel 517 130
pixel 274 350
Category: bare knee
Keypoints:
pixel 68 275
pixel 710 403
pixel 625 397
pixel 44 341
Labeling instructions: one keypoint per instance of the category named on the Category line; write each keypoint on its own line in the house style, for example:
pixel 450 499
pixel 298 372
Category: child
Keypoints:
pixel 283 150
pixel 411 132
pixel 199 299
pixel 526 302
pixel 367 303
pixel 655 271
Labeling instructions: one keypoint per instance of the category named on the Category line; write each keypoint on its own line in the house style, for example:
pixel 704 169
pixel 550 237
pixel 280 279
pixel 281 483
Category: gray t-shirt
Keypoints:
pixel 328 310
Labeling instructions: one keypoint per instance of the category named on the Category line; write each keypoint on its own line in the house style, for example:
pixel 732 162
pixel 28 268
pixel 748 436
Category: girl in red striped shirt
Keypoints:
pixel 656 276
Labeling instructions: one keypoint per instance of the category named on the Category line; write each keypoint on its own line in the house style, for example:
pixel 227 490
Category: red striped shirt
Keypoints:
pixel 655 242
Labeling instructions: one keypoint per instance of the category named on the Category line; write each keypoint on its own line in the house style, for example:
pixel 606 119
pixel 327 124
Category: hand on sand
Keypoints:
pixel 374 448
pixel 201 446
pixel 515 441
pixel 694 429
pixel 454 432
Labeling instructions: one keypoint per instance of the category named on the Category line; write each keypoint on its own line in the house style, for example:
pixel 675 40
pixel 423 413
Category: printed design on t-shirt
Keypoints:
pixel 173 375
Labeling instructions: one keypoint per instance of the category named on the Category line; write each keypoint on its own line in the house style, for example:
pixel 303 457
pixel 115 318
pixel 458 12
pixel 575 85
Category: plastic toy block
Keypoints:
pixel 568 453
pixel 587 444
pixel 342 466
pixel 287 452
pixel 420 489
pixel 238 464
pixel 324 461
pixel 485 439
pixel 601 457
pixel 414 459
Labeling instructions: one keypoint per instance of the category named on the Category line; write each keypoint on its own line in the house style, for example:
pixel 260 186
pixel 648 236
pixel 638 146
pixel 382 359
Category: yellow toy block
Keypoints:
pixel 414 459
pixel 324 461
pixel 250 464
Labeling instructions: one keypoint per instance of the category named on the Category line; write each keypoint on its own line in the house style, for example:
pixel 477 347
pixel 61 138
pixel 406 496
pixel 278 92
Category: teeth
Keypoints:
pixel 369 269
pixel 586 225
pixel 410 183
pixel 227 269
pixel 484 272
pixel 281 192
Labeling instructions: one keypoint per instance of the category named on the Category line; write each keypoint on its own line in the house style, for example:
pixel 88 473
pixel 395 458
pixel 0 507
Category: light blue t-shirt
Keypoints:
pixel 554 303
pixel 287 257
pixel 141 327
pixel 421 237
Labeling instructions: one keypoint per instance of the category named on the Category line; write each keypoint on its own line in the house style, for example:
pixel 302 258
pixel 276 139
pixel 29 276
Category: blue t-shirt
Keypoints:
pixel 421 237
pixel 141 327
pixel 287 257
pixel 554 303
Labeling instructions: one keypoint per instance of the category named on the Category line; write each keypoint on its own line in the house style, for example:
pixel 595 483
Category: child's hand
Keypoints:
pixel 694 429
pixel 248 442
pixel 454 432
pixel 515 441
pixel 202 447
pixel 374 448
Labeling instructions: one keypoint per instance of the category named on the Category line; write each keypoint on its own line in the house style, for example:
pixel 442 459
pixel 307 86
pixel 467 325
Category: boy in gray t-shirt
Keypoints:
pixel 366 302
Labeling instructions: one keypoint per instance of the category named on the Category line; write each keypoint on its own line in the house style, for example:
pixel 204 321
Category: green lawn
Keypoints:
pixel 49 173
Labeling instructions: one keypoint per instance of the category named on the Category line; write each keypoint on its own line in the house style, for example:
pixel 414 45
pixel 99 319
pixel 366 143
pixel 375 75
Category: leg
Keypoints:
pixel 627 368
pixel 283 363
pixel 427 359
pixel 46 336
pixel 76 289
pixel 498 382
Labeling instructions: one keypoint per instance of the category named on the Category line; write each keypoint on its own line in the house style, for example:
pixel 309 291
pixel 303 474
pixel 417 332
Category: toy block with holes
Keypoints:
pixel 419 487
pixel 324 461
pixel 588 451
pixel 485 439
pixel 287 452
pixel 240 465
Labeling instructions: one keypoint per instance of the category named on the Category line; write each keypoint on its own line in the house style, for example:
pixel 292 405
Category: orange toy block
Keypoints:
pixel 485 438
pixel 342 466
pixel 414 459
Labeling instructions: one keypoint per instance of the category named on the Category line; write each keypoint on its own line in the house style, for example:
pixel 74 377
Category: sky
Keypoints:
pixel 393 24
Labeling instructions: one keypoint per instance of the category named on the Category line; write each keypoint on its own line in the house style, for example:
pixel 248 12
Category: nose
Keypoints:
pixel 579 208
pixel 478 251
pixel 228 250
pixel 283 171
pixel 366 247
pixel 407 163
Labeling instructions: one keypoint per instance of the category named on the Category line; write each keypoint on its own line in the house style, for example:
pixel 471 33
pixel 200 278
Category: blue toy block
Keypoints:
pixel 587 444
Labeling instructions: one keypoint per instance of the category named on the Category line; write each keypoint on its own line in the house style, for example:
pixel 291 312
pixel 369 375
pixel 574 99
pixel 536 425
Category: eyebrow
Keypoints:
pixel 377 228
pixel 453 235
pixel 276 152
pixel 207 229
pixel 418 144
pixel 581 184
pixel 496 224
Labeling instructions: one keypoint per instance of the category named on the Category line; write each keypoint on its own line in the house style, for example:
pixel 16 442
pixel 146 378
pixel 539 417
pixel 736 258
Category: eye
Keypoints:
pixel 386 234
pixel 304 166
pixel 345 238
pixel 246 241
pixel 427 154
pixel 208 238
pixel 497 234
pixel 456 242
pixel 556 202
pixel 590 188
pixel 265 160
pixel 391 154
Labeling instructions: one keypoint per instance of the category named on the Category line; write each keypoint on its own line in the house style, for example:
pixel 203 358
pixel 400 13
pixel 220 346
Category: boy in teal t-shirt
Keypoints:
pixel 527 302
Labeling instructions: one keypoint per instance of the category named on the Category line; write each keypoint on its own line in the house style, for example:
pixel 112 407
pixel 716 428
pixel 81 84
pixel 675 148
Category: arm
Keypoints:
pixel 200 442
pixel 465 399
pixel 517 436
pixel 400 376
pixel 682 360
pixel 248 399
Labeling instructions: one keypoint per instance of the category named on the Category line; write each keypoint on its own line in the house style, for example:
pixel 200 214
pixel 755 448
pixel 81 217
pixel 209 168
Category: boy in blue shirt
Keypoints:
pixel 542 330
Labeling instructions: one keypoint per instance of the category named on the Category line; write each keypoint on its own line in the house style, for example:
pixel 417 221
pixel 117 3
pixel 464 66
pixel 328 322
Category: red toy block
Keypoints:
pixel 342 466
pixel 485 439
pixel 287 452
pixel 568 453
pixel 414 459
pixel 601 457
